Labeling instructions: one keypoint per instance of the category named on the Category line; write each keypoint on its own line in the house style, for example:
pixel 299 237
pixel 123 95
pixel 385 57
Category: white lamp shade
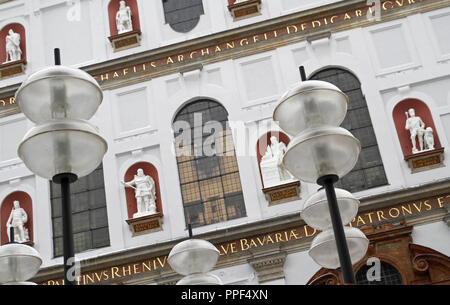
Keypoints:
pixel 323 248
pixel 200 279
pixel 316 212
pixel 310 104
pixel 59 92
pixel 193 256
pixel 321 151
pixel 18 262
pixel 64 146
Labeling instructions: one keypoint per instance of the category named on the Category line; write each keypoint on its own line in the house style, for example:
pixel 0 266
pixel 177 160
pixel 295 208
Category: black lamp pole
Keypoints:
pixel 338 229
pixel 341 243
pixel 68 249
pixel 64 180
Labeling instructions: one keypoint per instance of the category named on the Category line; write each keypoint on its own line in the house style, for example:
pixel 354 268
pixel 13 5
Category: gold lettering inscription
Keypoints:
pixel 316 23
pixel 385 5
pixel 293 27
pixel 397 212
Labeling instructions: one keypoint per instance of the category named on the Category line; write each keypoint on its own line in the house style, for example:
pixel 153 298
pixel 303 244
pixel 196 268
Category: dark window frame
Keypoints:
pixel 350 84
pixel 389 275
pixel 228 201
pixel 182 16
pixel 81 186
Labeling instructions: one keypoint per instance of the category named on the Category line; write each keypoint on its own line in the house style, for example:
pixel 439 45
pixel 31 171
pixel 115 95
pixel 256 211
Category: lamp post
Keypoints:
pixel 18 263
pixel 194 258
pixel 63 146
pixel 321 152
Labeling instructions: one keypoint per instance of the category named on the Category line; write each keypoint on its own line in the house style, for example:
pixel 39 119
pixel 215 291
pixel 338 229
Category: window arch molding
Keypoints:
pixel 384 258
pixel 393 270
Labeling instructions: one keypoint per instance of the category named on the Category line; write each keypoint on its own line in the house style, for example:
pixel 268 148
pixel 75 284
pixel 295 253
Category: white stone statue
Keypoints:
pixel 123 19
pixel 272 170
pixel 17 220
pixel 13 51
pixel 145 193
pixel 416 127
pixel 429 138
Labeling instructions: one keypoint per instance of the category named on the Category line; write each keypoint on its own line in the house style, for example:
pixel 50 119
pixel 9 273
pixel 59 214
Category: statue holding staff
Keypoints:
pixel 145 193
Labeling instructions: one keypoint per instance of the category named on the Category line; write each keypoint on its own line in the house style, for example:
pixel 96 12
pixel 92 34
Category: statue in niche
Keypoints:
pixel 416 128
pixel 123 19
pixel 13 51
pixel 145 193
pixel 272 169
pixel 17 219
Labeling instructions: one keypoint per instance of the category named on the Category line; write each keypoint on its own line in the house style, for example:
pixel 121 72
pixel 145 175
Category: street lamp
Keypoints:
pixel 63 146
pixel 194 258
pixel 321 152
pixel 18 263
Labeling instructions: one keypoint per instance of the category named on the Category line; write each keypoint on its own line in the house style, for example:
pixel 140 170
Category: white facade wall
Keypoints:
pixel 408 57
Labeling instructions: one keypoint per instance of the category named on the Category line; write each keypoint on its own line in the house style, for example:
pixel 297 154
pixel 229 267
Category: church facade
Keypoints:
pixel 189 92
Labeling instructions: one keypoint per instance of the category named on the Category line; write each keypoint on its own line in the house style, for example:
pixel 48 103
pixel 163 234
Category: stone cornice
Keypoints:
pixel 258 228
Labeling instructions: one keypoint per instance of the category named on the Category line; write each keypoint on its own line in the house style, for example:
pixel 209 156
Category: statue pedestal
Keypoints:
pixel 125 40
pixel 145 224
pixel 270 173
pixel 283 193
pixel 245 9
pixel 426 160
pixel 12 68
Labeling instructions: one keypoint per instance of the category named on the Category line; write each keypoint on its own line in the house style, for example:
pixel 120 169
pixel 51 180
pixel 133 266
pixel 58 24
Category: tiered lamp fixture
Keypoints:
pixel 322 152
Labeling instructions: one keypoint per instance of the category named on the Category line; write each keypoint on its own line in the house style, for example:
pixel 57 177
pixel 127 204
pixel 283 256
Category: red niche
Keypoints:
pixel 7 205
pixel 149 170
pixel 264 141
pixel 113 7
pixel 399 115
pixel 17 28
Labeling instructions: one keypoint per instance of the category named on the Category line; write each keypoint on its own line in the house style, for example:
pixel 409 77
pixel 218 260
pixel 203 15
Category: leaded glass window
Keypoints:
pixel 89 217
pixel 182 16
pixel 369 170
pixel 210 183
pixel 388 276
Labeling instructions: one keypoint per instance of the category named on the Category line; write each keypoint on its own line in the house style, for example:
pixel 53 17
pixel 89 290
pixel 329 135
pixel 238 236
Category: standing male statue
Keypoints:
pixel 272 169
pixel 145 193
pixel 13 51
pixel 123 19
pixel 416 127
pixel 17 219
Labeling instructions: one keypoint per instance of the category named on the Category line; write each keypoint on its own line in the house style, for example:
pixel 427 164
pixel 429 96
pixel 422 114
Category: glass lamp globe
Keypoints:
pixel 59 92
pixel 321 151
pixel 323 248
pixel 309 104
pixel 316 212
pixel 200 279
pixel 18 263
pixel 193 256
pixel 62 146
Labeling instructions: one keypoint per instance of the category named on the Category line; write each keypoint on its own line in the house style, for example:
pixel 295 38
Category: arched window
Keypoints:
pixel 369 170
pixel 89 216
pixel 182 16
pixel 210 183
pixel 388 275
